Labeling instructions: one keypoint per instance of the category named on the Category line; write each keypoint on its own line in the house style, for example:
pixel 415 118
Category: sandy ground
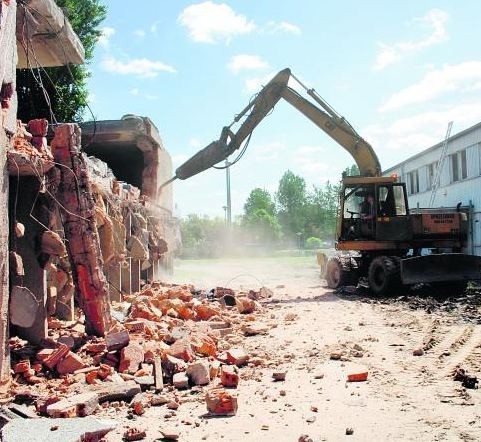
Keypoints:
pixel 405 397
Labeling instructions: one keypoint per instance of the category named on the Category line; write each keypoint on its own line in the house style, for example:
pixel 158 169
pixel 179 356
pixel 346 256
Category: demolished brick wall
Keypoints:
pixel 8 61
pixel 75 194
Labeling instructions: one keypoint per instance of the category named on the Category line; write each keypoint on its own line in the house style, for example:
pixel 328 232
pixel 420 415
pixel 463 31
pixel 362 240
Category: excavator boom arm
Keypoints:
pixel 327 120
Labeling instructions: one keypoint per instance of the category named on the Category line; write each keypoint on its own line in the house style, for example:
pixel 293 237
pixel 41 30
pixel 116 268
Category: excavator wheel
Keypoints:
pixel 336 275
pixel 383 275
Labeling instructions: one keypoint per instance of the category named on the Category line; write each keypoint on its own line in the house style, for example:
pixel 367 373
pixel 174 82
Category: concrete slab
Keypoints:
pixel 55 430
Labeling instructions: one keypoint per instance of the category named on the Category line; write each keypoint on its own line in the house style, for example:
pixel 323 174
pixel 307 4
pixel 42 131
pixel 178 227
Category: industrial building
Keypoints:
pixel 459 179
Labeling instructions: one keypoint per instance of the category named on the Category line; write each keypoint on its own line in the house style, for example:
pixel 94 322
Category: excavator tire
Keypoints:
pixel 384 275
pixel 336 275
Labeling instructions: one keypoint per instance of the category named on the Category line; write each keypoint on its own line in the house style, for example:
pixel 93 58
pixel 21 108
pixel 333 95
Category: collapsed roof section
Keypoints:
pixel 45 37
pixel 133 149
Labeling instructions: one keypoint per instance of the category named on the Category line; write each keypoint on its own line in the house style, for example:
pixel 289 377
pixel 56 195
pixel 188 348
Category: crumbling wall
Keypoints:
pixel 76 196
pixel 8 61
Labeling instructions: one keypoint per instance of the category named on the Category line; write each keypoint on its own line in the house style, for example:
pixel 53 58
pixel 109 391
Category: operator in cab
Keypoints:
pixel 367 210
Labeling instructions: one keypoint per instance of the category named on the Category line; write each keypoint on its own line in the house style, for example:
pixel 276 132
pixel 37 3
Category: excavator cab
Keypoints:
pixel 373 208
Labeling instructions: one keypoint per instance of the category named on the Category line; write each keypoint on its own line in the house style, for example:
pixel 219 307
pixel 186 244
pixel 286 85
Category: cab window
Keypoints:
pixel 391 201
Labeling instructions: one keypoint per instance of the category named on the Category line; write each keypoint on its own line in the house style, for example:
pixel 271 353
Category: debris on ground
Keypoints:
pixel 170 340
pixel 467 381
pixel 133 434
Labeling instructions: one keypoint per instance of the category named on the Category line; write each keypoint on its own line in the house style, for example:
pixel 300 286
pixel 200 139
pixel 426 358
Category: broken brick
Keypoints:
pixel 204 345
pixel 236 356
pixel 91 377
pixel 214 369
pixel 55 357
pixel 131 357
pixel 133 434
pixel 180 381
pixel 117 340
pixel 70 363
pixel 182 349
pixel 22 366
pixel 221 402
pixel 137 404
pixel 358 376
pixel 135 326
pixel 38 127
pixel 29 373
pixel 245 305
pixel 229 376
pixel 199 372
pixel 95 347
pixel 42 404
pixel 79 405
pixel 172 365
pixel 104 371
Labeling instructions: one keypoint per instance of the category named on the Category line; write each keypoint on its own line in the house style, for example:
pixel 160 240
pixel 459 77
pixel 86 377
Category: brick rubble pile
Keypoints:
pixel 168 342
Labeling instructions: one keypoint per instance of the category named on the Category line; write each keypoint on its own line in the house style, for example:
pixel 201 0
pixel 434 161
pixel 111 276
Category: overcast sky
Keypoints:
pixel 399 74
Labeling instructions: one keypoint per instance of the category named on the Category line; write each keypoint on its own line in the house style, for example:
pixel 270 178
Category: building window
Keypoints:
pixel 431 174
pixel 459 166
pixel 413 180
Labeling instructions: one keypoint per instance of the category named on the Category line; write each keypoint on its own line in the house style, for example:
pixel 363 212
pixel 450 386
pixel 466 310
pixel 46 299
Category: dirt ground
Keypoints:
pixel 406 397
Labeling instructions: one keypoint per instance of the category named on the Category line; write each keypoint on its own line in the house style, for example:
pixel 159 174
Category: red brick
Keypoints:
pixel 172 365
pixel 29 373
pixel 58 354
pixel 95 347
pixel 229 376
pixel 220 402
pixel 22 366
pixel 42 404
pixel 117 340
pixel 245 305
pixel 91 377
pixel 44 354
pixel 104 371
pixel 38 127
pixel 78 405
pixel 131 357
pixel 135 326
pixel 182 349
pixel 237 356
pixel 70 364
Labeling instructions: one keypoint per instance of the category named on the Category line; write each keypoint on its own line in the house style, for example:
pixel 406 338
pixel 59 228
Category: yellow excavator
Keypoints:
pixel 377 238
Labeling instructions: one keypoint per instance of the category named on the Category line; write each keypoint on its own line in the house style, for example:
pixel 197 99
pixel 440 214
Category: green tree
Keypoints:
pixel 291 202
pixel 66 86
pixel 259 199
pixel 351 171
pixel 313 243
pixel 263 226
pixel 203 236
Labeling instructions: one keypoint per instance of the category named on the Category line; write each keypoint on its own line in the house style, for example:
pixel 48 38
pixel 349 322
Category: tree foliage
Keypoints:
pixel 300 217
pixel 351 171
pixel 66 86
pixel 291 198
pixel 259 199
pixel 263 227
